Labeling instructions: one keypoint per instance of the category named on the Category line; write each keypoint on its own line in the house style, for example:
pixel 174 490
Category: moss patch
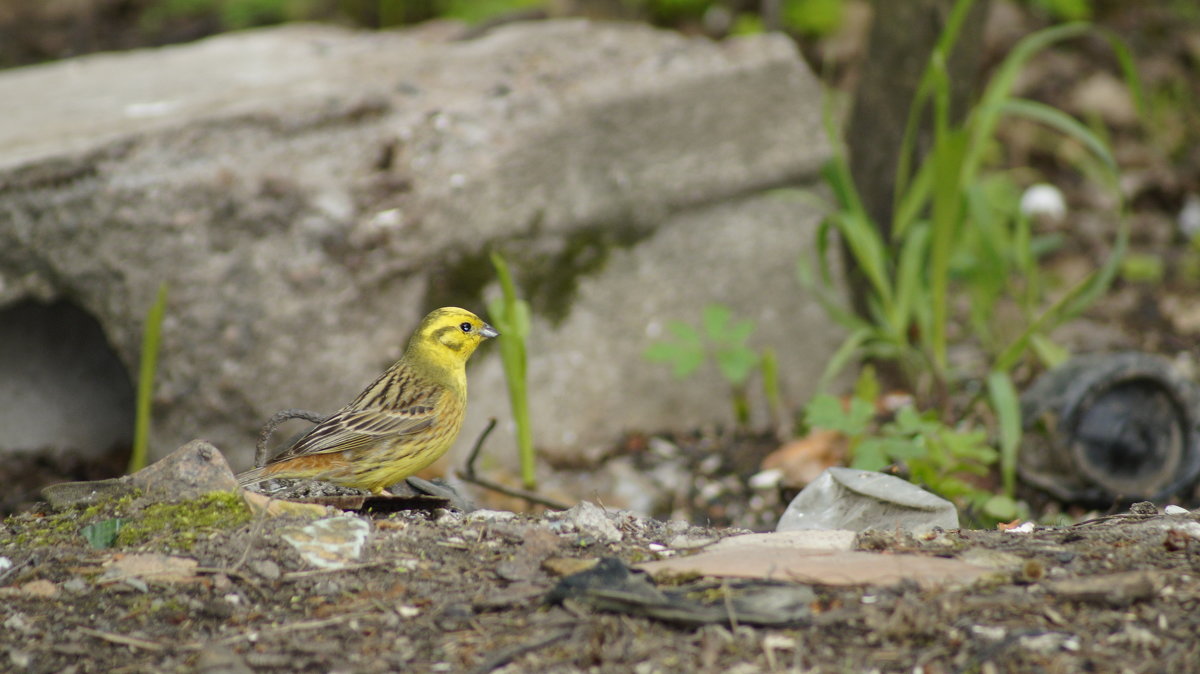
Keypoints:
pixel 60 528
pixel 180 525
pixel 547 275
pixel 170 525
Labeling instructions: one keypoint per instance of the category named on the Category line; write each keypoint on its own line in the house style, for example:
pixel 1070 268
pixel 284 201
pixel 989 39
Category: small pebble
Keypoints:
pixel 1143 508
pixel 491 516
pixel 767 479
pixel 1175 510
pixel 267 568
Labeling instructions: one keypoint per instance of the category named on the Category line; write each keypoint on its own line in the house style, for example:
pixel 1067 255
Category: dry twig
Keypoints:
pixel 468 474
pixel 261 452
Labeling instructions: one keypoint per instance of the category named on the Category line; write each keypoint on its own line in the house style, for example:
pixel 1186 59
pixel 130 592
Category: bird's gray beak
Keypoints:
pixel 488 331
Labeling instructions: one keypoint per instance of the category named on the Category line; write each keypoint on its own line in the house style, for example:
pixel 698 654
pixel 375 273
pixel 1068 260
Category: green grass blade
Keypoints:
pixel 862 238
pixel 844 355
pixel 932 83
pixel 911 291
pixel 947 158
pixel 512 318
pixel 1124 56
pixel 1006 405
pixel 1062 122
pixel 985 117
pixel 151 333
pixel 1069 305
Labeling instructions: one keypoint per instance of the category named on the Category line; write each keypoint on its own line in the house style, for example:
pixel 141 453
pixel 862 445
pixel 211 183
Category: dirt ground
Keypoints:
pixel 444 591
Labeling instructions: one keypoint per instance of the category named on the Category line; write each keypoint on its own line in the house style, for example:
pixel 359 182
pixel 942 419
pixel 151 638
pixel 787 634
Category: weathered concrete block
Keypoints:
pixel 308 193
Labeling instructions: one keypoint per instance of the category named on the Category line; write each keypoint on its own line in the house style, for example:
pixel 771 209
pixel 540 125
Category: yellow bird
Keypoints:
pixel 404 421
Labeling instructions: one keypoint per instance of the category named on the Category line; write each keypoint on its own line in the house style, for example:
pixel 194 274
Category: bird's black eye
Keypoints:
pixel 466 327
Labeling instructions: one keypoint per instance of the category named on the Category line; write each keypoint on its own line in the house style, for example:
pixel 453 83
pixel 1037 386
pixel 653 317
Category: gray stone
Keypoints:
pixel 586 519
pixel 857 500
pixel 308 193
pixel 193 470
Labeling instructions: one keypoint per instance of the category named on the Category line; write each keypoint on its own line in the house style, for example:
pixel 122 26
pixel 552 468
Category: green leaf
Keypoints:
pixel 870 454
pixel 736 364
pixel 1069 305
pixel 826 411
pixel 683 359
pixel 908 421
pixel 867 387
pixel 686 334
pixel 845 353
pixel 1007 406
pixel 1049 352
pixel 1064 123
pixel 498 314
pixel 1001 507
pixel 716 317
pixel 984 118
pixel 911 289
pixel 520 319
pixel 739 332
pixel 102 535
pixel 900 449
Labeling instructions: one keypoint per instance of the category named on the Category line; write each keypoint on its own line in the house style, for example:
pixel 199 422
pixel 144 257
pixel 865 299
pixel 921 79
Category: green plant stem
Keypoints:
pixel 145 392
pixel 741 406
pixel 512 355
pixel 769 363
pixel 512 317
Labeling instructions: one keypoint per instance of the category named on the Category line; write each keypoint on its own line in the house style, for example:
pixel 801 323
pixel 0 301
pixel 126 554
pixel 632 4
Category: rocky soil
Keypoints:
pixel 444 591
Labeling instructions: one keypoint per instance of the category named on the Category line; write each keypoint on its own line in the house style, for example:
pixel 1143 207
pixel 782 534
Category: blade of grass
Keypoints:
pixel 512 317
pixel 985 117
pixel 1007 407
pixel 1064 123
pixel 902 216
pixel 151 332
pixel 1069 305
pixel 947 157
pixel 844 354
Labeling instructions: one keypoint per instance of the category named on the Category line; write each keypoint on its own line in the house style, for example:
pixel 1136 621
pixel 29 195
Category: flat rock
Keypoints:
pixel 820 567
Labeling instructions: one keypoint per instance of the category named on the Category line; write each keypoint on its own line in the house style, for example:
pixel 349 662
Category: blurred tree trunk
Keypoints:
pixel 903 34
pixel 902 38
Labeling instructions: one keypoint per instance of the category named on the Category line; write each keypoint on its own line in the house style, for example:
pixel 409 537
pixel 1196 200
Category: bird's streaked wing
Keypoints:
pixel 357 429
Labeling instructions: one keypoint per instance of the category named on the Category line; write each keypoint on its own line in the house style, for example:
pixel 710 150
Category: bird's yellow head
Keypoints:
pixel 448 336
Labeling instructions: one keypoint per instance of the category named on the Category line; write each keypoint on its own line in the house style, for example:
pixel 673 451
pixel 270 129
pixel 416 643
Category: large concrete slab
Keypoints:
pixel 309 192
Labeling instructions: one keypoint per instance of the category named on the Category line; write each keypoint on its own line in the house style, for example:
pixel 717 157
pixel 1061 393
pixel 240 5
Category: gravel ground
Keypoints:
pixel 442 591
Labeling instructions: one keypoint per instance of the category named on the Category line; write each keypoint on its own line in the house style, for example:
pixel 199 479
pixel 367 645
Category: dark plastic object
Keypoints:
pixel 1105 428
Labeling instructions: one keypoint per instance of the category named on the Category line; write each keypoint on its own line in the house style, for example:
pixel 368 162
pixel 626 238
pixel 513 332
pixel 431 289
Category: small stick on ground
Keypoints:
pixel 513 652
pixel 123 640
pixel 297 575
pixel 261 452
pixel 468 474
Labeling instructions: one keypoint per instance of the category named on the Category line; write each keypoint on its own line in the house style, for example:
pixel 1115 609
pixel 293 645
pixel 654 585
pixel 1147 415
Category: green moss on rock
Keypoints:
pixel 180 525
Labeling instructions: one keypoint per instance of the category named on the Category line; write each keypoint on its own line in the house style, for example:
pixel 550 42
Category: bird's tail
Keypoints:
pixel 252 476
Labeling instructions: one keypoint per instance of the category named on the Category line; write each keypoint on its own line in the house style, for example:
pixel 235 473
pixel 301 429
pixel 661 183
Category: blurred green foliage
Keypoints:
pixel 950 461
pixel 722 340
